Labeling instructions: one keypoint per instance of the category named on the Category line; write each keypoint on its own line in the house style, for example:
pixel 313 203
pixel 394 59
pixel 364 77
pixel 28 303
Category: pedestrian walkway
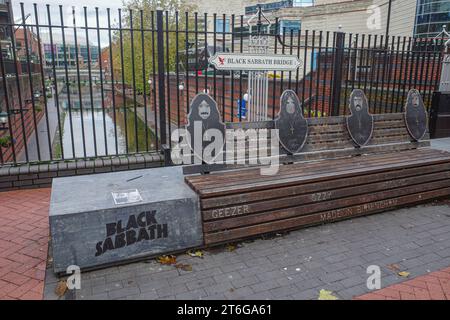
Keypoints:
pixel 434 286
pixel 443 144
pixel 23 243
pixel 42 135
pixel 296 265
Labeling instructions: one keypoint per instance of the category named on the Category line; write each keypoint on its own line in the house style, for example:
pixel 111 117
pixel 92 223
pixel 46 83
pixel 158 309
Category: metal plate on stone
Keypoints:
pixel 360 121
pixel 126 196
pixel 205 128
pixel 415 115
pixel 292 126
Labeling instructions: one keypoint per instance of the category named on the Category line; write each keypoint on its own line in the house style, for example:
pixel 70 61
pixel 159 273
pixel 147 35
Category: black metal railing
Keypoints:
pixel 118 84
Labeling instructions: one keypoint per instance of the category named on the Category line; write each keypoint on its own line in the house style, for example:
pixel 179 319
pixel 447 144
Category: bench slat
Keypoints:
pixel 222 201
pixel 201 183
pixel 324 216
pixel 257 212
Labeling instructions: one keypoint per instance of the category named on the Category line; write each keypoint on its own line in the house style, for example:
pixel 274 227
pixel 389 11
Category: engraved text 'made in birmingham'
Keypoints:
pixel 142 226
pixel 363 208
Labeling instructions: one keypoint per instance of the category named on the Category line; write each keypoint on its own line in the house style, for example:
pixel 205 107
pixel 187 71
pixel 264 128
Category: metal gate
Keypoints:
pixel 77 89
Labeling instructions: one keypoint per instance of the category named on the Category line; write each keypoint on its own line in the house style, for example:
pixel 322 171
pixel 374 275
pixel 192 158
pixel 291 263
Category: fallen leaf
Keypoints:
pixel 196 253
pixel 326 295
pixel 61 288
pixel 184 267
pixel 393 267
pixel 404 274
pixel 167 259
pixel 231 247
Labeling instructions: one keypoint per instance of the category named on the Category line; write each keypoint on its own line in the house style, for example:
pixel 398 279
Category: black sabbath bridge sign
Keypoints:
pixel 254 62
pixel 258 62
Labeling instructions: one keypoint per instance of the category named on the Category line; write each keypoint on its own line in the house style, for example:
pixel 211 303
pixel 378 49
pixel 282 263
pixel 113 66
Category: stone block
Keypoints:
pixel 107 218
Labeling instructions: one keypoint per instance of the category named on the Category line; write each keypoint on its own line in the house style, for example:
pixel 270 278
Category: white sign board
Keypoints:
pixel 126 196
pixel 254 62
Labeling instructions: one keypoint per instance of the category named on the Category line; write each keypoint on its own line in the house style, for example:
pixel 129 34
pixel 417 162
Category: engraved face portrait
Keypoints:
pixel 291 125
pixel 415 115
pixel 360 121
pixel 290 105
pixel 415 100
pixel 204 110
pixel 358 101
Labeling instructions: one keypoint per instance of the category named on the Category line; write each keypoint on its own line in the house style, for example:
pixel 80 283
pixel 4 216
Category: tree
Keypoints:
pixel 138 39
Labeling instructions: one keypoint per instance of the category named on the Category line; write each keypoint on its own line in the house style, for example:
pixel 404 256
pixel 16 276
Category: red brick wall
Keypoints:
pixel 16 120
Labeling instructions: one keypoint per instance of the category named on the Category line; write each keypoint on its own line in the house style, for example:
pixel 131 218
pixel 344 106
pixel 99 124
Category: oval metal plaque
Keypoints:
pixel 415 115
pixel 292 126
pixel 205 127
pixel 360 121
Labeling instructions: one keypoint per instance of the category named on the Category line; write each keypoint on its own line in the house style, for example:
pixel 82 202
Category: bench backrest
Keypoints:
pixel 328 138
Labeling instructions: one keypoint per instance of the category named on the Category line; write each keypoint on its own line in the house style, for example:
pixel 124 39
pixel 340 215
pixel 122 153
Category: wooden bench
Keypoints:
pixel 328 180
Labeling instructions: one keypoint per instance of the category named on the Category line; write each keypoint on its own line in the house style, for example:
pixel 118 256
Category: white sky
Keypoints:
pixel 55 16
pixel 67 7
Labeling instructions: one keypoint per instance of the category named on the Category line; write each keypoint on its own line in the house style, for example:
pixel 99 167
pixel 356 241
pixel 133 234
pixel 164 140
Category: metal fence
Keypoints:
pixel 73 86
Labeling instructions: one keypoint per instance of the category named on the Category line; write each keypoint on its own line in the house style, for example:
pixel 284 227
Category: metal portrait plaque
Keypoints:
pixel 360 121
pixel 205 127
pixel 292 126
pixel 415 115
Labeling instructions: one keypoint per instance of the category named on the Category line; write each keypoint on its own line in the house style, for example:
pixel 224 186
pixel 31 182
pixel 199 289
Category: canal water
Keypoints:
pixel 102 135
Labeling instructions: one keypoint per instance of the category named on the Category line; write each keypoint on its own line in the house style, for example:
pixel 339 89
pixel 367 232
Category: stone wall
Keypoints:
pixel 29 176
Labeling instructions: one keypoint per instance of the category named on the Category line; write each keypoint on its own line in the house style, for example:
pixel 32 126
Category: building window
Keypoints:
pixel 290 26
pixel 431 15
pixel 303 3
pixel 220 25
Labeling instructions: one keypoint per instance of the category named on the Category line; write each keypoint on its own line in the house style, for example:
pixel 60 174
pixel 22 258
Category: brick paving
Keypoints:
pixel 433 286
pixel 24 235
pixel 296 265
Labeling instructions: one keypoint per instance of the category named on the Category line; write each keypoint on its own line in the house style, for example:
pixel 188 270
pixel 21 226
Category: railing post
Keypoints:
pixel 161 80
pixel 444 85
pixel 440 104
pixel 337 73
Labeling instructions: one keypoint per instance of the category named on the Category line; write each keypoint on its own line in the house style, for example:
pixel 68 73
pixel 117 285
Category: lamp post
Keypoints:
pixel 388 19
